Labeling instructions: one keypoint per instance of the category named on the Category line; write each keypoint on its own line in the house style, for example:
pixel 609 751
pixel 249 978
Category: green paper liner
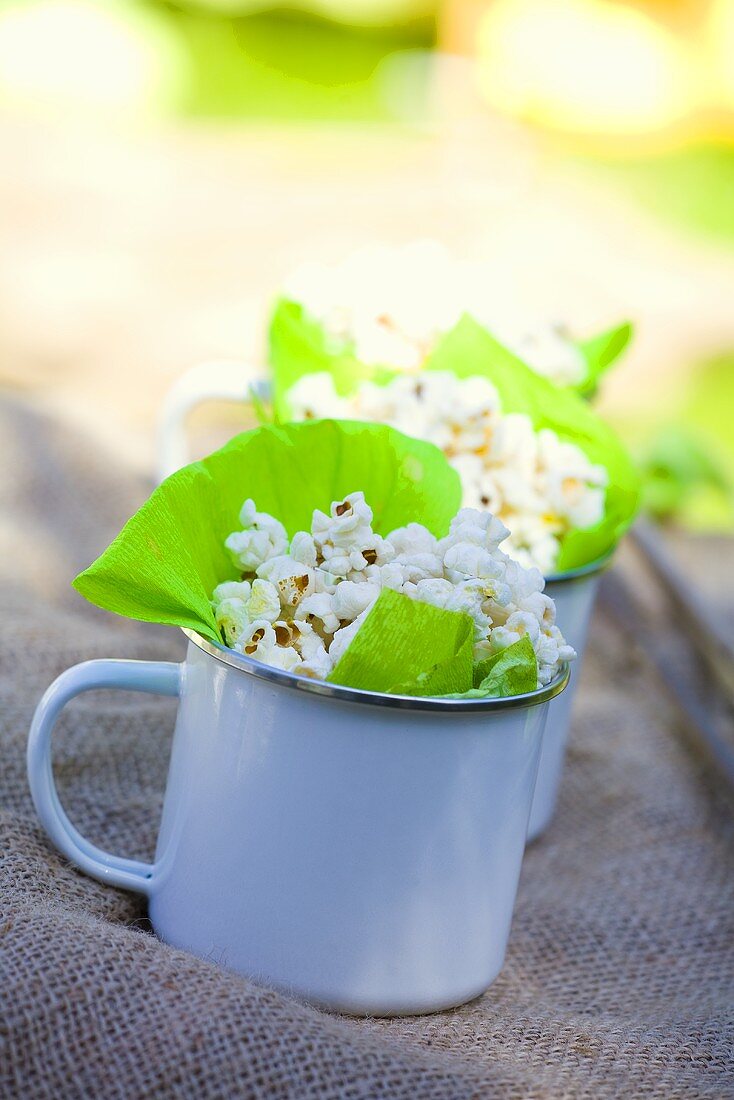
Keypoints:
pixel 600 352
pixel 169 557
pixel 404 647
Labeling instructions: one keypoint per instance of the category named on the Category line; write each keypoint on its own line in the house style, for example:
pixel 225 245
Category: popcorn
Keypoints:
pixel 313 397
pixel 317 662
pixel 232 590
pixel 303 548
pixel 343 637
pixel 231 618
pixel 532 483
pixel 345 540
pixel 352 598
pixel 240 603
pixel 292 579
pixel 261 641
pixel 319 610
pixel 550 351
pixel 264 602
pixel 262 537
pixel 306 604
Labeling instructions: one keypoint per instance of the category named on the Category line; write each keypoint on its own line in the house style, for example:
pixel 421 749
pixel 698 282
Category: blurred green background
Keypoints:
pixel 666 143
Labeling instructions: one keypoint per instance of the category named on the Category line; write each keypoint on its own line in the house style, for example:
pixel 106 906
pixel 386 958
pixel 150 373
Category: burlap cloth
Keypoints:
pixel 620 975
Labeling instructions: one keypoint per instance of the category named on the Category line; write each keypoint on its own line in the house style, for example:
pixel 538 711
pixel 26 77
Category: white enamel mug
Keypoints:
pixel 574 594
pixel 361 851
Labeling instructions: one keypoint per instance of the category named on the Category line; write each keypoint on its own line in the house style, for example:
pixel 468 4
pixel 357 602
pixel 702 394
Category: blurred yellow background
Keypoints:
pixel 164 165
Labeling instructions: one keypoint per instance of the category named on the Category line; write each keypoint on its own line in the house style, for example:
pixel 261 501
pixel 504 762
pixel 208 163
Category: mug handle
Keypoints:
pixel 154 677
pixel 218 380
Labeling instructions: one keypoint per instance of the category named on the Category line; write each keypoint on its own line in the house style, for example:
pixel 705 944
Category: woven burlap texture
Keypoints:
pixel 619 980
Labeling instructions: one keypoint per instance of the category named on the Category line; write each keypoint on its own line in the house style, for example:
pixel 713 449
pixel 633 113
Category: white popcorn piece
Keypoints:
pixel 345 540
pixel 260 641
pixel 325 581
pixel 231 590
pixel 318 609
pixel 387 576
pixel 475 526
pixel 416 552
pixel 313 397
pixel 317 662
pixel 518 624
pixel 549 350
pixel 343 637
pixel 303 549
pixel 231 618
pixel 418 567
pixel 523 580
pixel 234 613
pixel 413 539
pixel 436 591
pixel 264 601
pixel 465 560
pixel 262 537
pixel 347 517
pixel 352 598
pixel 292 579
pixel 539 605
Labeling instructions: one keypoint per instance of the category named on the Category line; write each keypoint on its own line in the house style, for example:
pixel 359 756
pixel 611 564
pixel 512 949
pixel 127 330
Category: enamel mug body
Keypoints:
pixel 574 596
pixel 360 851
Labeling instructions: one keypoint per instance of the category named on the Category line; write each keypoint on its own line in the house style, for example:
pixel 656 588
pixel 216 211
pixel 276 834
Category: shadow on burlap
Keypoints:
pixel 620 975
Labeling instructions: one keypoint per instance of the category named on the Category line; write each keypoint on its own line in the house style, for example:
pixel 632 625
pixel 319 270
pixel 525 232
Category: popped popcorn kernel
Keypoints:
pixel 262 537
pixel 292 579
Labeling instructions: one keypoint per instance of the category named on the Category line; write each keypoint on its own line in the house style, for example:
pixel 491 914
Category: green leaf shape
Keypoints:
pixel 405 647
pixel 511 671
pixel 600 352
pixel 168 558
pixel 469 350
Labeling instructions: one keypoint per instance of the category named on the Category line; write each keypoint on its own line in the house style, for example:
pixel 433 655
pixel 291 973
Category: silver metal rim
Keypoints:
pixel 375 698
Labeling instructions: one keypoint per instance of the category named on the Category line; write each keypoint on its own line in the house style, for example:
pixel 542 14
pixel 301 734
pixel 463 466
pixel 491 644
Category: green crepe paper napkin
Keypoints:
pixel 169 557
pixel 600 352
pixel 300 346
pixel 512 671
pixel 405 647
pixel 469 350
